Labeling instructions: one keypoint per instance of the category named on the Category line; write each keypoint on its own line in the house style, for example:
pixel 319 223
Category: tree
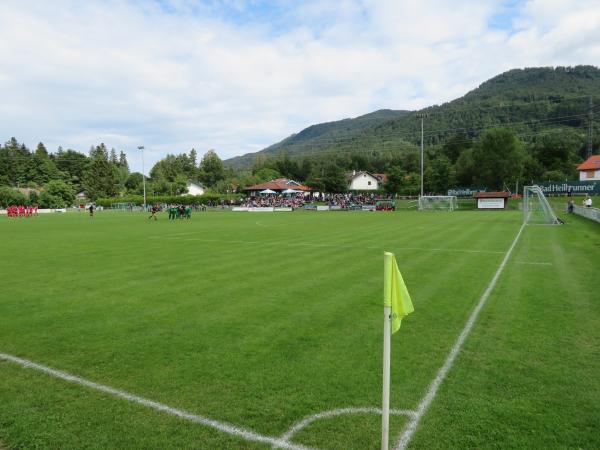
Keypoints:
pixel 113 157
pixel 59 193
pixel 211 168
pixel 557 152
pixel 134 183
pixel 456 145
pixel 287 167
pixel 465 169
pixel 123 160
pixel 442 175
pixel 41 169
pixel 41 151
pixel 14 162
pixel 100 179
pixel 334 179
pixel 498 158
pixel 395 182
pixel 194 157
pixel 74 165
pixel 266 174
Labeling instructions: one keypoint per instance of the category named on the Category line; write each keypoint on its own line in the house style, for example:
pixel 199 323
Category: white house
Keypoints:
pixel 364 181
pixel 589 170
pixel 194 189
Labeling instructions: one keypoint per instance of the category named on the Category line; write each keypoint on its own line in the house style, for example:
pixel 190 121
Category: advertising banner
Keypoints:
pixel 575 187
pixel 465 191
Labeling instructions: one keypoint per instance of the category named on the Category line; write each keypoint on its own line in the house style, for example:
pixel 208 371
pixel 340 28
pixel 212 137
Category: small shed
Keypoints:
pixel 492 200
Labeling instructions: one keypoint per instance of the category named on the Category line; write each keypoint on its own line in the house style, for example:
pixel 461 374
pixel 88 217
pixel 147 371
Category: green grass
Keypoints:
pixel 262 319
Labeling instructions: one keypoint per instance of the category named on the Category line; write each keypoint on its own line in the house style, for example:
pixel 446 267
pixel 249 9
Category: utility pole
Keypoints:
pixel 141 147
pixel 422 116
pixel 590 149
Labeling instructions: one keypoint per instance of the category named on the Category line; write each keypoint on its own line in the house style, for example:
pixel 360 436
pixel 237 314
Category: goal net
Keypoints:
pixel 438 203
pixel 125 206
pixel 536 208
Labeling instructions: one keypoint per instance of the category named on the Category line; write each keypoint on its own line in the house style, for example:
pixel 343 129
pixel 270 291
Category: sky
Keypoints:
pixel 238 75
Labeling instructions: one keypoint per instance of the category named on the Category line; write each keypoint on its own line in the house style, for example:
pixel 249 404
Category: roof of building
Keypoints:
pixel 592 163
pixel 491 194
pixel 378 176
pixel 278 184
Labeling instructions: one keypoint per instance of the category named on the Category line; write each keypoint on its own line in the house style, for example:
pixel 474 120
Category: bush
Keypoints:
pixel 10 196
pixel 48 200
pixel 58 193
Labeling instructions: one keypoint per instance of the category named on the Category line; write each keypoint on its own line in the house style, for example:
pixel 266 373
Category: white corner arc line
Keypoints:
pixel 221 426
pixel 411 426
pixel 338 412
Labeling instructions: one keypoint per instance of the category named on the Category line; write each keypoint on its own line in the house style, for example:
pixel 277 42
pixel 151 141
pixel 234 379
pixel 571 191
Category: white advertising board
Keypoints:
pixel 322 208
pixel 490 203
pixel 261 209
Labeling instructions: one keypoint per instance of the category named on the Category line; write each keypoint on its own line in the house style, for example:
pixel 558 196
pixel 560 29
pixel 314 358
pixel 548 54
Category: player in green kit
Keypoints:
pixel 188 212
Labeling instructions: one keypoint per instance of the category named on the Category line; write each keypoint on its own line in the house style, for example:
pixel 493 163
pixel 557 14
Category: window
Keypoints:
pixel 589 174
pixel 369 183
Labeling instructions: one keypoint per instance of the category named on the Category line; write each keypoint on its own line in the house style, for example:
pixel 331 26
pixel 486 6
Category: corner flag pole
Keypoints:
pixel 387 341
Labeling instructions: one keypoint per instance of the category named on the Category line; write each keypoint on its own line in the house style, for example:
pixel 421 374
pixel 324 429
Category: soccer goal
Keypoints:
pixel 536 208
pixel 438 203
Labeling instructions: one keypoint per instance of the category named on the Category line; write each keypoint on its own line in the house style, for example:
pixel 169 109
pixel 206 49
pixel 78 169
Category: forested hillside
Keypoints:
pixel 313 137
pixel 527 101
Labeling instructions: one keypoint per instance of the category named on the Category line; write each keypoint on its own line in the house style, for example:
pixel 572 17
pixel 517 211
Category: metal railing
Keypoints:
pixel 589 213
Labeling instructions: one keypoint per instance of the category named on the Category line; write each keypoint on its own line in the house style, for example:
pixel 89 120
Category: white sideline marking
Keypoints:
pixel 411 426
pixel 338 412
pixel 221 426
pixel 309 244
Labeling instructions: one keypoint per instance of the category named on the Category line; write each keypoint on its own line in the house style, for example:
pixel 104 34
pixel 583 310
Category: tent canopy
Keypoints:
pixel 267 191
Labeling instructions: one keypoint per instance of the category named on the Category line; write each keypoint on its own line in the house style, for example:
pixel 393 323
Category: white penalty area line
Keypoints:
pixel 221 426
pixel 411 426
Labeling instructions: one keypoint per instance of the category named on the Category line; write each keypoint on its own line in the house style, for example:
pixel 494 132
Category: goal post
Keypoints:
pixel 536 208
pixel 438 203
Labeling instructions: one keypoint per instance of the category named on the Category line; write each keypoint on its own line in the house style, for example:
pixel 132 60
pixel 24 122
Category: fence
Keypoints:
pixel 589 213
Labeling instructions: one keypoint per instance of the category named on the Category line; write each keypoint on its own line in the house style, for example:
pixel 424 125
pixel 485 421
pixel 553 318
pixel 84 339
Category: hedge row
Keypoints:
pixel 177 199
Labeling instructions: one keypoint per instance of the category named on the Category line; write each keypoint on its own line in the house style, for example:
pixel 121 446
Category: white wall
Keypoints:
pixel 360 182
pixel 583 176
pixel 194 189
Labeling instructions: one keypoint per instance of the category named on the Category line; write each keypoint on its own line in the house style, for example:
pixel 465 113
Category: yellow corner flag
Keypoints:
pixel 395 294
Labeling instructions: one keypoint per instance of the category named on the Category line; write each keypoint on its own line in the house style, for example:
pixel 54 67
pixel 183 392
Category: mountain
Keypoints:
pixel 313 137
pixel 528 101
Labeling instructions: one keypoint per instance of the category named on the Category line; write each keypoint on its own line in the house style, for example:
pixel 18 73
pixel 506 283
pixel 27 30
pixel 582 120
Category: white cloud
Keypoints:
pixel 178 75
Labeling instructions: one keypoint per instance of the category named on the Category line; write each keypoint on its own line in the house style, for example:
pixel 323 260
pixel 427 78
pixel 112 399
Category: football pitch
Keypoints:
pixel 260 331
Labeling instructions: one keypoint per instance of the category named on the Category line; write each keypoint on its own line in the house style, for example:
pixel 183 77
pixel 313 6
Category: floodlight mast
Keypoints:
pixel 422 116
pixel 141 147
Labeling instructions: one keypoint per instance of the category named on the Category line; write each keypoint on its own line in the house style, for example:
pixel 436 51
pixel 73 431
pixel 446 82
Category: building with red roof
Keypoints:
pixel 277 185
pixel 589 170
